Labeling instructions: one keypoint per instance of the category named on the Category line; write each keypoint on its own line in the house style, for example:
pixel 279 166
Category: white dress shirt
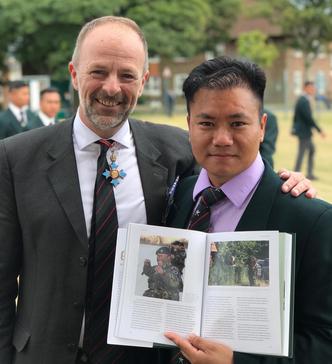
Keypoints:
pixel 128 193
pixel 46 120
pixel 18 113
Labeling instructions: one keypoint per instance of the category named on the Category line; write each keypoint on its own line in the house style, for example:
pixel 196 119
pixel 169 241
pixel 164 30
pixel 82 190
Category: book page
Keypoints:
pixel 116 290
pixel 163 285
pixel 287 289
pixel 242 292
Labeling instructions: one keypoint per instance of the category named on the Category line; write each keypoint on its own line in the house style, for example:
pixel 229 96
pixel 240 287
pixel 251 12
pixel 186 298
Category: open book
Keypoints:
pixel 235 288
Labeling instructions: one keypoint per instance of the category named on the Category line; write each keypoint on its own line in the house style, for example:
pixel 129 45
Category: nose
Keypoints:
pixel 111 85
pixel 222 137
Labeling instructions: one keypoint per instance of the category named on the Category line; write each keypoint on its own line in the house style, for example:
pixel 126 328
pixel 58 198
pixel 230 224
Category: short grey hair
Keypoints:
pixel 88 27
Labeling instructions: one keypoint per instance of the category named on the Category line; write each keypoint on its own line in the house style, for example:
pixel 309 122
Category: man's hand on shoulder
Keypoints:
pixel 296 184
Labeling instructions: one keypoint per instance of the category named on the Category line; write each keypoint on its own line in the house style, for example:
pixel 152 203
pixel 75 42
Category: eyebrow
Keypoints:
pixel 239 115
pixel 204 116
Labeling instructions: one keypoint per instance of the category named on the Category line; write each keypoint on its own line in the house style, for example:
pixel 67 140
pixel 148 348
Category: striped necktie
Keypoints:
pixel 200 218
pixel 101 263
pixel 23 119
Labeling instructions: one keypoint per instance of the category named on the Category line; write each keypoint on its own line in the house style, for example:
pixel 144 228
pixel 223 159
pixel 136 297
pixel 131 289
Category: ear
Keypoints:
pixel 73 75
pixel 263 122
pixel 145 79
pixel 188 123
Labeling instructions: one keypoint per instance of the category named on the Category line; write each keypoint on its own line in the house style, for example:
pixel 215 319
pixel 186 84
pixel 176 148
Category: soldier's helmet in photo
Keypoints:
pixel 164 250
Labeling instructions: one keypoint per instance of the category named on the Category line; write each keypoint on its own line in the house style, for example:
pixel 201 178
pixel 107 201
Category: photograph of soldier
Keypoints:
pixel 239 263
pixel 164 279
pixel 161 267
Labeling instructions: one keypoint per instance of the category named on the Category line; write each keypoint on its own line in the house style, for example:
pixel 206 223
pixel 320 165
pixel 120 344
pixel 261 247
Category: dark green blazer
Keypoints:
pixel 268 146
pixel 303 121
pixel 9 125
pixel 311 220
pixel 44 242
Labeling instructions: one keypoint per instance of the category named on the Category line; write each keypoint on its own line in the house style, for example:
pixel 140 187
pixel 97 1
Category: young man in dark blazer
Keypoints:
pixel 303 123
pixel 17 118
pixel 48 203
pixel 226 126
pixel 49 106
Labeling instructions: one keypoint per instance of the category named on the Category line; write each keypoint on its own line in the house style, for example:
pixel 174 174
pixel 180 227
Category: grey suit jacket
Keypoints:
pixel 43 238
pixel 270 209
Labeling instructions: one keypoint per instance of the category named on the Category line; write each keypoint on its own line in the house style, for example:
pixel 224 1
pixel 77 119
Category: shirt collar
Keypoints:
pixel 239 187
pixel 84 136
pixel 16 110
pixel 45 119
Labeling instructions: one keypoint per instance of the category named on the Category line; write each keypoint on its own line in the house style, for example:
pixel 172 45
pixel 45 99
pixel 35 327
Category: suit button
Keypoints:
pixel 83 261
pixel 77 304
pixel 71 346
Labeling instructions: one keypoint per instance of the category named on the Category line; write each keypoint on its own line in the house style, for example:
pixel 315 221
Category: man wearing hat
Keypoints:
pixel 164 278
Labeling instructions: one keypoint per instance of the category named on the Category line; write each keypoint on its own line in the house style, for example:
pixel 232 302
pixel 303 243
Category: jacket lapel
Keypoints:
pixel 153 174
pixel 62 174
pixel 14 123
pixel 183 204
pixel 257 213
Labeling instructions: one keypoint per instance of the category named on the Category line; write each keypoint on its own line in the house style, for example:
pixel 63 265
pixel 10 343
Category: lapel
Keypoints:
pixel 63 177
pixel 183 204
pixel 153 174
pixel 13 123
pixel 257 213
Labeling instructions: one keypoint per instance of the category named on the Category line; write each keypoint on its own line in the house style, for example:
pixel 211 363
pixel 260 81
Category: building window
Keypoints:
pixel 297 82
pixel 153 86
pixel 178 83
pixel 320 83
pixel 298 54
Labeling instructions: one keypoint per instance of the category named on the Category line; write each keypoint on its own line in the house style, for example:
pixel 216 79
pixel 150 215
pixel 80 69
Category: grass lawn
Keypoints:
pixel 286 146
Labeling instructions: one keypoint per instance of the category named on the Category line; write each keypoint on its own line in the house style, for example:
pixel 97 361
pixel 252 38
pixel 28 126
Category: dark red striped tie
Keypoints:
pixel 102 243
pixel 200 219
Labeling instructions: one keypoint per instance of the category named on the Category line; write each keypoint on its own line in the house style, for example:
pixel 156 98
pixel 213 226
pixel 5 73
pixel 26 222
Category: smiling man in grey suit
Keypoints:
pixel 49 214
pixel 47 193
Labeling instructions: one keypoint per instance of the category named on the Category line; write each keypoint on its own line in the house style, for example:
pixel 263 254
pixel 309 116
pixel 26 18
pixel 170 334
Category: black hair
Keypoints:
pixel 14 85
pixel 308 83
pixel 223 73
pixel 48 90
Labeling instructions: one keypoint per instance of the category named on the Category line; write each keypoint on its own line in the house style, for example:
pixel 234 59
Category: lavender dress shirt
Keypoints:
pixel 226 214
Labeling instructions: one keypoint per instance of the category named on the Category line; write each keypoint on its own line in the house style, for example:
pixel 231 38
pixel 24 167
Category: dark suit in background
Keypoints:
pixel 39 121
pixel 44 240
pixel 303 123
pixel 270 209
pixel 9 125
pixel 268 147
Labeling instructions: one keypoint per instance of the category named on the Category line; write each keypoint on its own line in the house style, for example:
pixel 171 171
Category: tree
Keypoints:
pixel 254 45
pixel 307 24
pixel 173 27
pixel 41 33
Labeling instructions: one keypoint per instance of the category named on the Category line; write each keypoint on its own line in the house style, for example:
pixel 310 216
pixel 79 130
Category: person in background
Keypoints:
pixel 17 118
pixel 303 123
pixel 268 146
pixel 49 106
pixel 65 190
pixel 226 126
